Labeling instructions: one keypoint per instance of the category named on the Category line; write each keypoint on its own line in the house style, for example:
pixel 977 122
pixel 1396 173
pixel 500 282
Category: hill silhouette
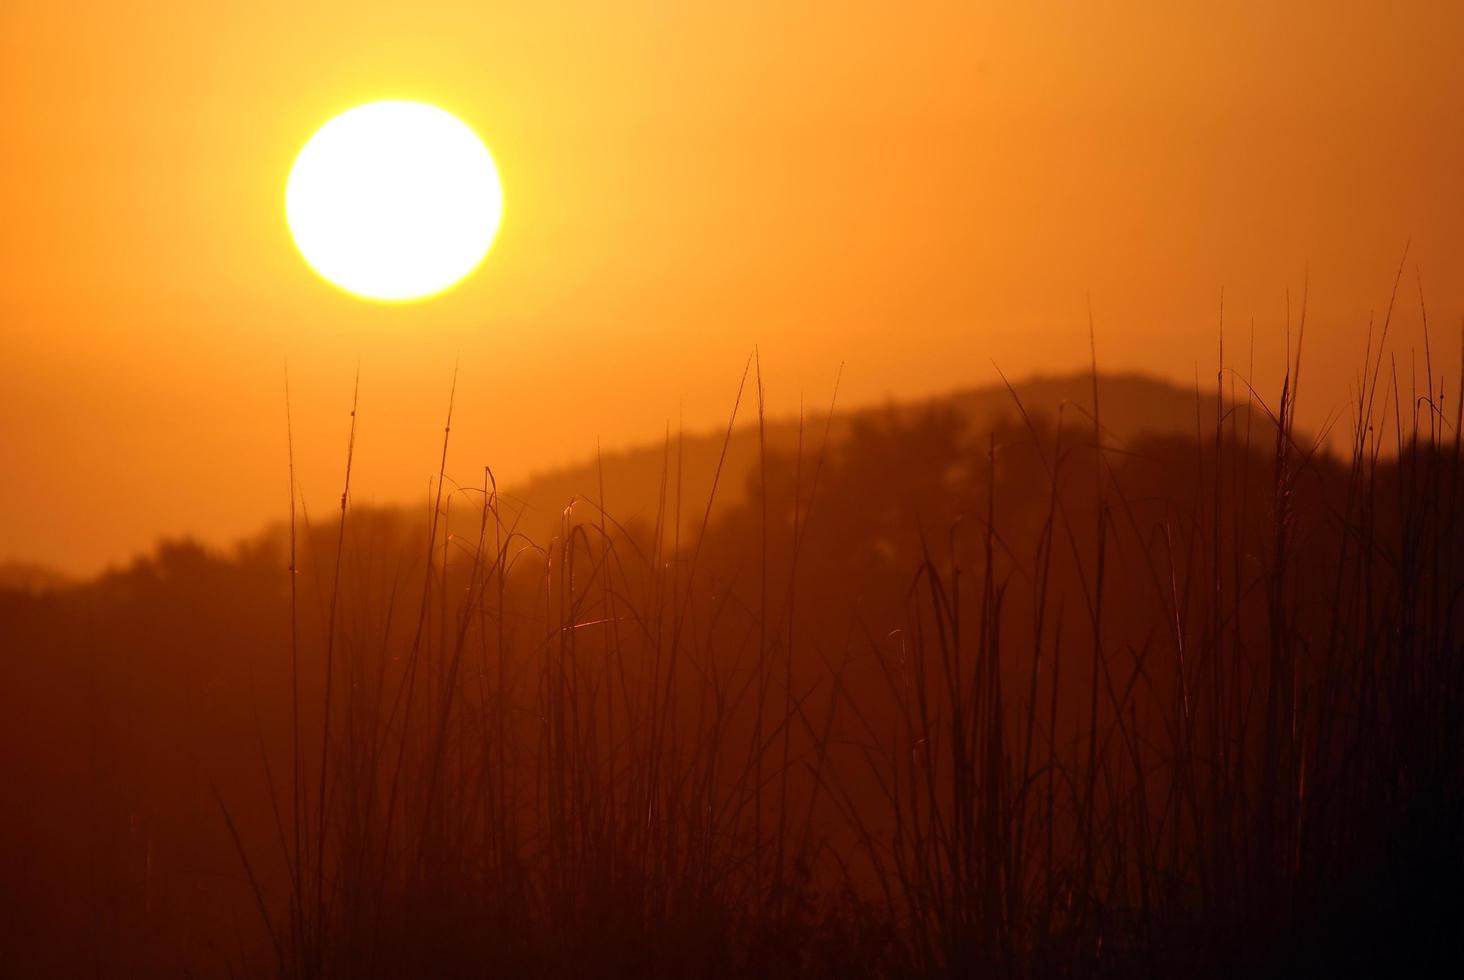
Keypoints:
pixel 1133 405
pixel 632 480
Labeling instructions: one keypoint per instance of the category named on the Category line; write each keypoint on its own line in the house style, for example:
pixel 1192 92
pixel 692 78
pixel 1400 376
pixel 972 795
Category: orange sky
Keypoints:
pixel 917 190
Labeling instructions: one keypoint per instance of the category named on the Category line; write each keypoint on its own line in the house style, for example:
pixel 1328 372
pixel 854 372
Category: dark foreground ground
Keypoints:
pixel 927 693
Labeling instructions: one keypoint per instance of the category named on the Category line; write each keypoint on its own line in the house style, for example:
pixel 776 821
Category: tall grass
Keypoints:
pixel 1145 709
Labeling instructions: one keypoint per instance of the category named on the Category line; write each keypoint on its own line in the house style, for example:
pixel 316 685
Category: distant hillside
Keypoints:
pixel 1132 405
pixel 30 578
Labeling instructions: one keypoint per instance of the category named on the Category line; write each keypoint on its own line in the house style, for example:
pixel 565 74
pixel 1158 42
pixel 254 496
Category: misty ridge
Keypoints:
pixel 630 479
pixel 1015 681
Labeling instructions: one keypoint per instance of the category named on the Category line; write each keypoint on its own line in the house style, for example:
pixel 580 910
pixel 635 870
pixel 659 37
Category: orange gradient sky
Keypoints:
pixel 917 190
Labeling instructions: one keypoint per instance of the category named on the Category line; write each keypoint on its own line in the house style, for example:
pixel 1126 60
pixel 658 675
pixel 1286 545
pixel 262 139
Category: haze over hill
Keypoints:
pixel 1132 405
pixel 635 482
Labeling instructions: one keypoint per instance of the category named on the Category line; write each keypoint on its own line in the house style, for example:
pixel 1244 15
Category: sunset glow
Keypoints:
pixel 394 201
pixel 763 491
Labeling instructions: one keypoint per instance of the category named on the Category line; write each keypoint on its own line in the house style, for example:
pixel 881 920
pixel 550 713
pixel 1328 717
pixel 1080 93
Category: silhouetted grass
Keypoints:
pixel 930 702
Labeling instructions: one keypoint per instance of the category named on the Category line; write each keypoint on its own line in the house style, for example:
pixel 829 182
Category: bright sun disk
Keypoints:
pixel 394 201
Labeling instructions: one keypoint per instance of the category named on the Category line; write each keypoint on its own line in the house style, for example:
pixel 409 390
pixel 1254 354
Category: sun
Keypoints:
pixel 394 201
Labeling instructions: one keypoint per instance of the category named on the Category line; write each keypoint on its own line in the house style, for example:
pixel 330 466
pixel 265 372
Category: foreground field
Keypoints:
pixel 923 697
